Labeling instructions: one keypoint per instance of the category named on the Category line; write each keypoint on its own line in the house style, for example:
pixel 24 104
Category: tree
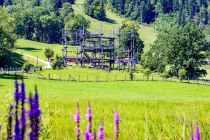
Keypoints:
pixel 8 2
pixel 100 13
pixel 180 47
pixel 58 63
pixel 66 10
pixel 129 30
pixel 37 2
pixel 51 28
pixel 76 22
pixel 7 36
pixel 1 2
pixel 95 9
pixel 49 53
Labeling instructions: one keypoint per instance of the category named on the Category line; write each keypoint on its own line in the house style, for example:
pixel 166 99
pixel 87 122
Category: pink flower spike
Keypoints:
pixel 101 132
pixel 197 133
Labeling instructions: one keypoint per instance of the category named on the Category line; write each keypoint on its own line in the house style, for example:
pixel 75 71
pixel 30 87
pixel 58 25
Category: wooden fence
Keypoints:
pixel 108 78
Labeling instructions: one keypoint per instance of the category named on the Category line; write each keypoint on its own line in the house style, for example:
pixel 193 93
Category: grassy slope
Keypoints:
pixel 36 48
pixel 166 105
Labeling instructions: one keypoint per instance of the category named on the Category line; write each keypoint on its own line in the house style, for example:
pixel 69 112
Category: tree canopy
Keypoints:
pixel 129 30
pixel 7 36
pixel 178 49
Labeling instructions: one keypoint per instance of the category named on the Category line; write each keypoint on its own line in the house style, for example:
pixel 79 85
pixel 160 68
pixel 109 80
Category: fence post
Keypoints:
pixel 125 77
pixel 49 76
pixel 97 78
pixel 107 78
pixel 79 78
pixel 87 78
pixel 69 77
pixel 60 77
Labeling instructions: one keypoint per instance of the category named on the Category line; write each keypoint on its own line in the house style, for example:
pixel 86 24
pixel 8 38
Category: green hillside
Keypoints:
pixel 113 22
pixel 147 34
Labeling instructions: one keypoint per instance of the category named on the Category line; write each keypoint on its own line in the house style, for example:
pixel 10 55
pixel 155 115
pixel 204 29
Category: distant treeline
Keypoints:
pixel 146 11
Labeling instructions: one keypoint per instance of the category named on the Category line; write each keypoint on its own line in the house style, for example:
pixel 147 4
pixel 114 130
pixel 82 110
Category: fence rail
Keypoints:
pixel 108 78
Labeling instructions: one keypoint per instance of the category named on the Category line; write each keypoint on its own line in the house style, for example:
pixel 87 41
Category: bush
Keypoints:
pixel 182 74
pixel 58 63
pixel 27 67
pixel 147 73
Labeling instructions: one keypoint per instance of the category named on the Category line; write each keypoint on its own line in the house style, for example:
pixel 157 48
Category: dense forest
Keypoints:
pixel 146 11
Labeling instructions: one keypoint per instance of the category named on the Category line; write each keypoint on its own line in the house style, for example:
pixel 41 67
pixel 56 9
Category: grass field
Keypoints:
pixel 148 110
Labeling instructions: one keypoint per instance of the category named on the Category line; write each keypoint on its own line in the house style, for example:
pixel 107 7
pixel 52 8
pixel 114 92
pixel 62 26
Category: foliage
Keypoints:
pixel 180 47
pixel 39 25
pixel 147 73
pixel 146 11
pixel 65 10
pixel 95 8
pixel 58 63
pixel 129 32
pixel 7 36
pixel 49 53
pixel 76 22
pixel 182 74
pixel 27 67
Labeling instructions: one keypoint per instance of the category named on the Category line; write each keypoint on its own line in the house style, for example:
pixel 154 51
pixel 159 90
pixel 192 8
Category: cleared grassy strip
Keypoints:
pixel 165 106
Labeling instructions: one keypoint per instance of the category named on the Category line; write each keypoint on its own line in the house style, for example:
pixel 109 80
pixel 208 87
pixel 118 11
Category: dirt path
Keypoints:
pixel 47 64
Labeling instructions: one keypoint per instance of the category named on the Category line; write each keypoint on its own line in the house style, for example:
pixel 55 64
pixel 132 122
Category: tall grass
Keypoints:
pixel 148 110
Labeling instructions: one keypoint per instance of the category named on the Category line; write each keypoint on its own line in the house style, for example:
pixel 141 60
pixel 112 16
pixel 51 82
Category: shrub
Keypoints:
pixel 182 74
pixel 27 67
pixel 58 63
pixel 147 73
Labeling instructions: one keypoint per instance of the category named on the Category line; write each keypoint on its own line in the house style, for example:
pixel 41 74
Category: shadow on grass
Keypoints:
pixel 11 77
pixel 109 21
pixel 30 49
pixel 16 60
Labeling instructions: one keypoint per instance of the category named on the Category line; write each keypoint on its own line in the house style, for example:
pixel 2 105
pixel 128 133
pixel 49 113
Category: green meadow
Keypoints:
pixel 148 110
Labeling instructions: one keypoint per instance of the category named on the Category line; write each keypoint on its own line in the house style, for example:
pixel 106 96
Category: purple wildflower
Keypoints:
pixel 16 98
pixel 9 126
pixel 23 111
pixel 34 115
pixel 22 93
pixel 197 133
pixel 23 123
pixel 94 137
pixel 117 121
pixel 89 117
pixel 87 136
pixel 17 130
pixel 16 93
pixel 77 120
pixel 101 132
